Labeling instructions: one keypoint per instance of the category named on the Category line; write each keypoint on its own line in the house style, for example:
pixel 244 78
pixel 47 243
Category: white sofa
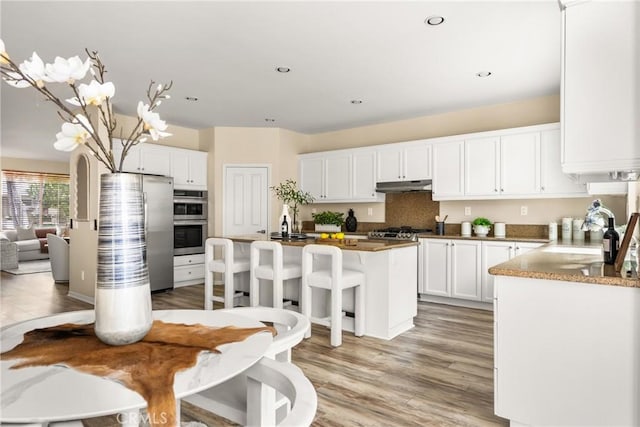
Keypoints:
pixel 29 247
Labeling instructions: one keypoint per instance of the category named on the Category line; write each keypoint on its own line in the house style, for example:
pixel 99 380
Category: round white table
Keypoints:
pixel 55 393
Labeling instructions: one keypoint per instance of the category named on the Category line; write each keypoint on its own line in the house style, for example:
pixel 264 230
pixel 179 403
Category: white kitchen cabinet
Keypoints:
pixel 404 162
pixel 496 252
pixel 188 270
pixel 600 91
pixel 448 170
pixel 364 176
pixel 502 165
pixel 145 158
pixel 189 169
pixel 552 179
pixel 482 166
pixel 326 176
pixel 451 268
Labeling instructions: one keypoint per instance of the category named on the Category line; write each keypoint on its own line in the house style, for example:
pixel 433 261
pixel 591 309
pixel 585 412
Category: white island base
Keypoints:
pixel 390 292
pixel 566 353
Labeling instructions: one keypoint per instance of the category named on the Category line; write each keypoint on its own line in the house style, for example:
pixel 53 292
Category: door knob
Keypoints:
pixel 262 231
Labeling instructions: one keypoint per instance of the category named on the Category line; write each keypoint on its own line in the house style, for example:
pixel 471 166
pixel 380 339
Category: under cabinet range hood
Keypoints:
pixel 403 186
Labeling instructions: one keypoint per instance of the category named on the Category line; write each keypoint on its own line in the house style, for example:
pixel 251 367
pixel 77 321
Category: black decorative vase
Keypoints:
pixel 351 223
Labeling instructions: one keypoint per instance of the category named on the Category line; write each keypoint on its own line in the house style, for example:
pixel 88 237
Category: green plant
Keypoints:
pixel 481 221
pixel 328 217
pixel 291 195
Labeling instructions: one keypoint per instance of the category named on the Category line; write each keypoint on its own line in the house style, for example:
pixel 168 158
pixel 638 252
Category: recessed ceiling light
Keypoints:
pixel 483 74
pixel 269 120
pixel 356 101
pixel 434 20
pixel 191 98
pixel 283 69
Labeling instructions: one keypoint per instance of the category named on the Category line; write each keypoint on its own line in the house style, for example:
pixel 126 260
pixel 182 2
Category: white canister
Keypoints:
pixel 465 229
pixel 567 226
pixel 499 230
pixel 578 234
pixel 553 231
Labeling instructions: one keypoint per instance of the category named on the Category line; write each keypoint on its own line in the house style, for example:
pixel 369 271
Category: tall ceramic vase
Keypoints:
pixel 123 293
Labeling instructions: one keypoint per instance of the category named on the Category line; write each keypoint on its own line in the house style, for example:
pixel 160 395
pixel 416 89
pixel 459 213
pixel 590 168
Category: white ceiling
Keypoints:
pixel 226 53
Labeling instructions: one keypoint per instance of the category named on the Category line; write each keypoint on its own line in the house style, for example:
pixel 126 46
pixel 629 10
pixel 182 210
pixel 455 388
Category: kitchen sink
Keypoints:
pixel 577 250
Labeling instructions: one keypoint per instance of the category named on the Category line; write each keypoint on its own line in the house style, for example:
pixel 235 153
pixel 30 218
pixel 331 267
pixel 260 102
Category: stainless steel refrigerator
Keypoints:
pixel 158 196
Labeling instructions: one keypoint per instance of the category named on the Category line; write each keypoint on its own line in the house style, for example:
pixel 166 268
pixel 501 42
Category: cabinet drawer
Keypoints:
pixel 188 272
pixel 188 260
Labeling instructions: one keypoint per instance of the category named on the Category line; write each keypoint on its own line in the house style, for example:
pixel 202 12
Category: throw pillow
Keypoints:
pixel 41 233
pixel 26 233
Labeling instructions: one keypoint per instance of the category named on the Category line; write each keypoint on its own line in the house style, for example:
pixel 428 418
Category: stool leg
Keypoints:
pixel 228 287
pixel 336 317
pixel 359 303
pixel 208 289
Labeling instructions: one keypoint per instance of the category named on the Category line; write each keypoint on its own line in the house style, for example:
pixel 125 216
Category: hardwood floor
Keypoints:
pixel 440 373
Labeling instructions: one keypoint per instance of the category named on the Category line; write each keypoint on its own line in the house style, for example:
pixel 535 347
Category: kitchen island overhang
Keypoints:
pixel 391 288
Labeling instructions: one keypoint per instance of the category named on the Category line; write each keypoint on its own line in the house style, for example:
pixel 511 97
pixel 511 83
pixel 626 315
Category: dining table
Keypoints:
pixel 43 394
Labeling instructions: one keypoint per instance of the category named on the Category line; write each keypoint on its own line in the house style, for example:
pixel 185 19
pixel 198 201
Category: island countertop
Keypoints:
pixel 359 244
pixel 573 263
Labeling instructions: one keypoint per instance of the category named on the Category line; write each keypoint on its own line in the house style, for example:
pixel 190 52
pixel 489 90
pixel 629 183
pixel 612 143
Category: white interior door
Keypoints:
pixel 246 200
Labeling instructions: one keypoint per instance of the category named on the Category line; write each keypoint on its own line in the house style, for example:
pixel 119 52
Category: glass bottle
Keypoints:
pixel 610 243
pixel 284 228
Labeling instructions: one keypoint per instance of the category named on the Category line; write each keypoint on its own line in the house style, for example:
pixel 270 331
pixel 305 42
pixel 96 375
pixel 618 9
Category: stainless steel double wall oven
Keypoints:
pixel 189 221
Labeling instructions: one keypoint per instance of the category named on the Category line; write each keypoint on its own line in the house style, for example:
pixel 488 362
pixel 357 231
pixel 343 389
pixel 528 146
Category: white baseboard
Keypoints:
pixel 81 297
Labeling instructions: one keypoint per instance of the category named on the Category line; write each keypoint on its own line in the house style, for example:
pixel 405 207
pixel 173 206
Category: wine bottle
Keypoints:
pixel 284 228
pixel 610 243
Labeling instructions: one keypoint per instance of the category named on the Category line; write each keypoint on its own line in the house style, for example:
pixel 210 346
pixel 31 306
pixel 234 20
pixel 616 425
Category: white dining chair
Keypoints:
pixel 277 270
pixel 227 264
pixel 334 279
pixel 230 399
pixel 59 257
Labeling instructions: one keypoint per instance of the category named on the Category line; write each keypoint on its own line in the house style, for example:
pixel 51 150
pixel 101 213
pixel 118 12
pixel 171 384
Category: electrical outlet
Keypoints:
pixel 524 210
pixel 467 210
pixel 82 275
pixel 370 211
pixel 313 210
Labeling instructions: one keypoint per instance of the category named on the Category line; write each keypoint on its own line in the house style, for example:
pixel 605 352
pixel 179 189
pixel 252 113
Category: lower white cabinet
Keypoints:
pixel 496 252
pixel 188 270
pixel 451 268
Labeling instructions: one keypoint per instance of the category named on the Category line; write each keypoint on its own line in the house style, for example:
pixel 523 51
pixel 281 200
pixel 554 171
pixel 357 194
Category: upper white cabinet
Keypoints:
pixel 507 164
pixel 448 170
pixel 327 177
pixel 189 169
pixel 600 87
pixel 552 179
pixel 340 176
pixel 404 162
pixel 145 158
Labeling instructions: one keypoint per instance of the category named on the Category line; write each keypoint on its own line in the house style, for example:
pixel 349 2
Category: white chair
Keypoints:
pixel 335 280
pixel 227 265
pixel 59 258
pixel 230 399
pixel 277 271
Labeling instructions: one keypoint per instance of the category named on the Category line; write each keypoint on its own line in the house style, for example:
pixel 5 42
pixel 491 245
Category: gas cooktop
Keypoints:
pixel 398 233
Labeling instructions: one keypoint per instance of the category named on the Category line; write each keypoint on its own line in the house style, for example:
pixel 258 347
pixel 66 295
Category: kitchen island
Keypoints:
pixel 391 288
pixel 566 339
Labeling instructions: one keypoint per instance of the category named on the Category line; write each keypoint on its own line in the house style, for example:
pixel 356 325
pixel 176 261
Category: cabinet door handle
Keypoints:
pixel 501 190
pixel 453 244
pixel 542 188
pixel 495 190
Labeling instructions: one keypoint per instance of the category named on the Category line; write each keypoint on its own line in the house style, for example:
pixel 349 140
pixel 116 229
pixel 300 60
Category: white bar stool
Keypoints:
pixel 277 272
pixel 335 279
pixel 228 265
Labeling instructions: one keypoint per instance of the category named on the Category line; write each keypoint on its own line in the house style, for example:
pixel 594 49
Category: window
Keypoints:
pixel 38 199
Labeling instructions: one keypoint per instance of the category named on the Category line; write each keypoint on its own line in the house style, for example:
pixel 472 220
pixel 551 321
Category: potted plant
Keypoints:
pixel 293 197
pixel 328 221
pixel 481 226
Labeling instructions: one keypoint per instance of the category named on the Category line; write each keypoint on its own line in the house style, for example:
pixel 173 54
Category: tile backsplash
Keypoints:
pixel 414 209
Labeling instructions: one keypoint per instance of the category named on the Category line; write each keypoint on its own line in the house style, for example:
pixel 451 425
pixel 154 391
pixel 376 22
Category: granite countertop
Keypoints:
pixel 497 239
pixel 359 244
pixel 567 262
